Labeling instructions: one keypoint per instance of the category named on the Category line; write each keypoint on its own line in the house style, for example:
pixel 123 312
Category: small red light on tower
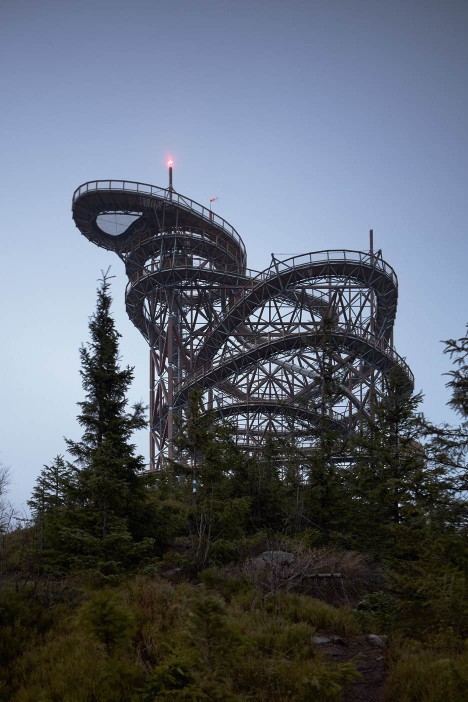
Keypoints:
pixel 170 163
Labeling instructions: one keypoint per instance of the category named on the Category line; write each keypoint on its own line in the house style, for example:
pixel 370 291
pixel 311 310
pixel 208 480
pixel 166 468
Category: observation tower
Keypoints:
pixel 279 352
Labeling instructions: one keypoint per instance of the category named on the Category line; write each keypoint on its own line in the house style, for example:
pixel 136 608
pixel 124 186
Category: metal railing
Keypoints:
pixel 228 403
pixel 333 256
pixel 181 262
pixel 358 333
pixel 165 194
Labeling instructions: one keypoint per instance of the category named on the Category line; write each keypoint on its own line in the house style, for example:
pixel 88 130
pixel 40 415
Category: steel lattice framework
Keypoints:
pixel 263 347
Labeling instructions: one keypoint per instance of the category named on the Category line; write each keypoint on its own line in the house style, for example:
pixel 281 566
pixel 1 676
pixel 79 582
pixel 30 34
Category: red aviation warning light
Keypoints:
pixel 170 163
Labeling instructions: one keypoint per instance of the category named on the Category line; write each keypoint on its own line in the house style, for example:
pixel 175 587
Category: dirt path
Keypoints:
pixel 370 662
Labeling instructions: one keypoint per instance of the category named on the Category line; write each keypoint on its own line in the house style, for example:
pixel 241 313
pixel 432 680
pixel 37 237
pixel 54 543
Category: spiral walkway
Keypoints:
pixel 306 341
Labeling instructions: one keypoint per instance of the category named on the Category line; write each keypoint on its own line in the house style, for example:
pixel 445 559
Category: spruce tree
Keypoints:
pixel 100 509
pixel 52 488
pixel 111 486
pixel 458 383
pixel 453 441
pixel 447 445
pixel 388 483
pixel 208 463
pixel 323 465
pixel 50 496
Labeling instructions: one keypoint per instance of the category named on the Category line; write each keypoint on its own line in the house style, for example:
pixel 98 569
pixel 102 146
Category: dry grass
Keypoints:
pixel 422 675
pixel 187 643
pixel 330 574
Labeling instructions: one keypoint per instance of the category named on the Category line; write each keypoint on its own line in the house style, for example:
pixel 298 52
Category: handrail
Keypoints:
pixel 278 266
pixel 186 262
pixel 166 194
pixel 267 339
pixel 326 256
pixel 223 402
pixel 188 233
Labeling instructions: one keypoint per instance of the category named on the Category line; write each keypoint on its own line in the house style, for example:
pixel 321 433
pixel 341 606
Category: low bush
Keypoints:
pixel 147 639
pixel 418 674
pixel 330 574
pixel 294 607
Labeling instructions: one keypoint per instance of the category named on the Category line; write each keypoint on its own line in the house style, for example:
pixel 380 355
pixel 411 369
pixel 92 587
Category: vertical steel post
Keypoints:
pixel 152 456
pixel 372 325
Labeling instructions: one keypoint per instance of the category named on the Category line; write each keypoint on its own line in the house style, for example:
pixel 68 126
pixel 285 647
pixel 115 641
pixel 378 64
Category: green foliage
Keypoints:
pixel 458 383
pixel 449 445
pixel 226 584
pixel 421 674
pixel 432 589
pixel 95 514
pixel 301 608
pixel 24 618
pixel 109 485
pixel 380 612
pixel 226 634
pixel 107 621
pixel 387 482
pixel 208 459
pixel 52 488
pixel 149 640
pixel 69 667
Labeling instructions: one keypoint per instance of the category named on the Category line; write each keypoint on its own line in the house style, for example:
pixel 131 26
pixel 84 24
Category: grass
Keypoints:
pixel 149 640
pixel 421 675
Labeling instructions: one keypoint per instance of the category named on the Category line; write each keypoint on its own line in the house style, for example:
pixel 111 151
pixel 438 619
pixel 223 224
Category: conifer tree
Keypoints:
pixel 98 506
pixel 388 484
pixel 447 446
pixel 458 383
pixel 324 494
pixel 50 496
pixel 110 487
pixel 209 460
pixel 455 439
pixel 52 488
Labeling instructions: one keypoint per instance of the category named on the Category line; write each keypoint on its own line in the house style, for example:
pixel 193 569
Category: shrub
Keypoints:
pixel 328 573
pixel 227 583
pixel 420 674
pixel 107 621
pixel 301 608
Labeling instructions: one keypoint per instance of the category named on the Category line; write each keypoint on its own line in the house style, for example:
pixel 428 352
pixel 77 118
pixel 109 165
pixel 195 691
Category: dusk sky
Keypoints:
pixel 311 121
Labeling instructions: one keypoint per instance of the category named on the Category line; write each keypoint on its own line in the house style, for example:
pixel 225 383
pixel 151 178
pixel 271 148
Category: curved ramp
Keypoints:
pixel 304 341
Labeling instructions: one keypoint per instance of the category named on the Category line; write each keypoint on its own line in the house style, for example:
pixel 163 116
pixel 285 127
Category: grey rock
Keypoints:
pixel 322 640
pixel 338 640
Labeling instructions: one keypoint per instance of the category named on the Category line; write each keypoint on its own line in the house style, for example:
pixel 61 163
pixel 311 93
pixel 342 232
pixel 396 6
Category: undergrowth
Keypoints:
pixel 419 674
pixel 146 639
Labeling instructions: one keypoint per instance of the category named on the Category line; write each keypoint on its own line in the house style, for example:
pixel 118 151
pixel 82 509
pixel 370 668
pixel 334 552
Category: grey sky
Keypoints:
pixel 312 122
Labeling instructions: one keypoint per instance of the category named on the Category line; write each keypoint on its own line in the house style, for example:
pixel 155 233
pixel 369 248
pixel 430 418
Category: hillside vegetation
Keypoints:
pixel 332 574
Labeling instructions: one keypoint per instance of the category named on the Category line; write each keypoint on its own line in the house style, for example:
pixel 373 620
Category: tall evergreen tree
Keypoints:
pixel 50 496
pixel 98 507
pixel 458 383
pixel 323 465
pixel 110 480
pixel 456 439
pixel 388 482
pixel 447 446
pixel 209 462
